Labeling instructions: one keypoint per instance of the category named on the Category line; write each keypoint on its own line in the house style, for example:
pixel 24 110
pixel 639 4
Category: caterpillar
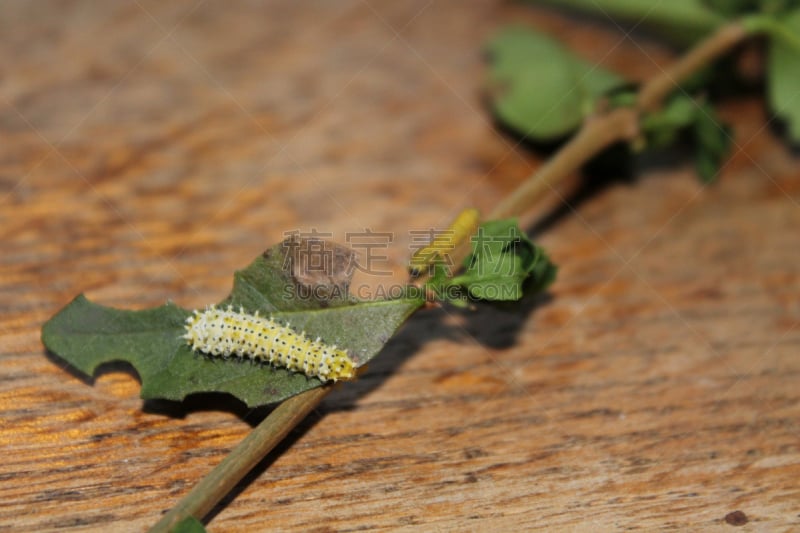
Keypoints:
pixel 461 229
pixel 225 332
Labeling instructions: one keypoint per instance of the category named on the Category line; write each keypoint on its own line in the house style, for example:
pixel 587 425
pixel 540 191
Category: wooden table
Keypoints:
pixel 149 149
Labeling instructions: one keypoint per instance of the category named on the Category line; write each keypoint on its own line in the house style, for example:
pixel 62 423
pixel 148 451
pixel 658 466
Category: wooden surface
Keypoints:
pixel 150 148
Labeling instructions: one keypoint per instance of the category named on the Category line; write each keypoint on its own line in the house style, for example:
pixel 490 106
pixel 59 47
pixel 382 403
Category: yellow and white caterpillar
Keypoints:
pixel 227 332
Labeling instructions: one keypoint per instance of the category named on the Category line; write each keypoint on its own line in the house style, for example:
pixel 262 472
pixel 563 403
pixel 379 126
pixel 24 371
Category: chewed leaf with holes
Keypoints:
pixel 87 335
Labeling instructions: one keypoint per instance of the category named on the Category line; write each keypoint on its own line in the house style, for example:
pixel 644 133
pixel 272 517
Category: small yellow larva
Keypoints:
pixel 225 332
pixel 445 243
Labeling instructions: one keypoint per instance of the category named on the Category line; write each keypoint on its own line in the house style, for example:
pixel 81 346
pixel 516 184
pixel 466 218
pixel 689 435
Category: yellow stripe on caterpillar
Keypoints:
pixel 225 332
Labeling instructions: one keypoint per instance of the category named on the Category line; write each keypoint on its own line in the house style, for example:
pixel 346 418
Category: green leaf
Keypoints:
pixel 662 127
pixel 503 259
pixel 189 524
pixel 712 142
pixel 87 335
pixel 539 88
pixel 783 74
pixel 681 21
pixel 710 138
pixel 732 8
pixel 736 8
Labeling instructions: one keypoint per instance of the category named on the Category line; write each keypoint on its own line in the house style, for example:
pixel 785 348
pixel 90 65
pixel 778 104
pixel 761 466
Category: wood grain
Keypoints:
pixel 150 149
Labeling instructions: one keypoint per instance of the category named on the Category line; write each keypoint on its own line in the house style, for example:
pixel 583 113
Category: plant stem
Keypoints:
pixel 653 93
pixel 602 130
pixel 597 133
pixel 773 27
pixel 261 440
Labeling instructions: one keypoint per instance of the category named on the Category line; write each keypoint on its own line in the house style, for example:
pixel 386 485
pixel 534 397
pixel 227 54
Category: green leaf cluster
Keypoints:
pixel 88 335
pixel 503 265
pixel 542 91
pixel 780 21
pixel 684 22
pixel 547 90
pixel 711 139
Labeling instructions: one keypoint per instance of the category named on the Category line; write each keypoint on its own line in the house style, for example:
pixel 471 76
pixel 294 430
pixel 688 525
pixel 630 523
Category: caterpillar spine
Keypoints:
pixel 225 332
